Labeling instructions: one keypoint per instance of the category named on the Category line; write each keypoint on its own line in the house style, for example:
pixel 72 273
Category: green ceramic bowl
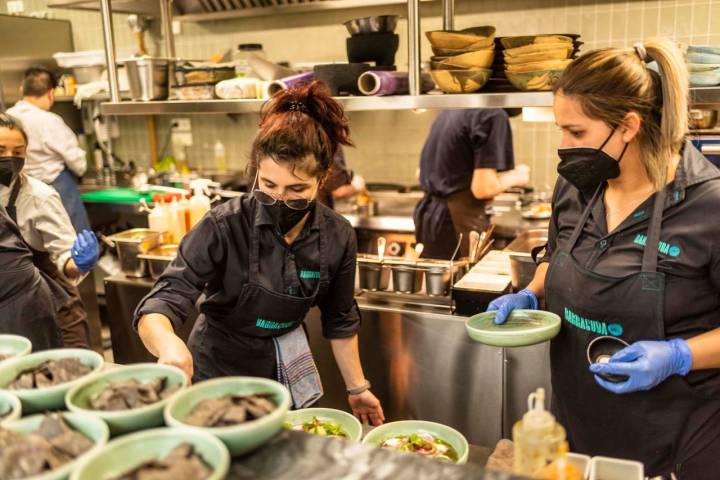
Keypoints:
pixel 461 81
pixel 540 80
pixel 238 438
pixel 10 407
pixel 406 427
pixel 128 451
pixel 50 398
pixel 93 428
pixel 348 422
pixel 522 328
pixel 78 398
pixel 14 346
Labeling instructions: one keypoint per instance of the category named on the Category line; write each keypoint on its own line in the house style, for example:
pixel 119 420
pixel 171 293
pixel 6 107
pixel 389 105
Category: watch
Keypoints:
pixel 360 389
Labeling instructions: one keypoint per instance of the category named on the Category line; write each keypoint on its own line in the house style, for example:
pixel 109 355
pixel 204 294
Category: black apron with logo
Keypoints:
pixel 28 301
pixel 71 318
pixel 240 341
pixel 644 426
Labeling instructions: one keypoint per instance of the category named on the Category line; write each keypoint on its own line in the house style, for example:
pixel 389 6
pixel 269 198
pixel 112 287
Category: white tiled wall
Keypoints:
pixel 389 142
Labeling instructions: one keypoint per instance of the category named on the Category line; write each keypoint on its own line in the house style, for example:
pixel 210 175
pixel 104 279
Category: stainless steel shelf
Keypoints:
pixel 705 96
pixel 140 7
pixel 400 102
pixel 284 7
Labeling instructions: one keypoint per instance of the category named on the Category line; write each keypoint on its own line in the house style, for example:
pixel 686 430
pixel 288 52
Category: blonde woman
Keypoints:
pixel 633 253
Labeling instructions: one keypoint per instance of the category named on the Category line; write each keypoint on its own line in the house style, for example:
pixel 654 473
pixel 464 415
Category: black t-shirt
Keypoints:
pixel 461 141
pixel 213 259
pixel 689 248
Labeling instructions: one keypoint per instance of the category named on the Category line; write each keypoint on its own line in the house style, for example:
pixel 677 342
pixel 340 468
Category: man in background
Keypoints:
pixel 53 153
pixel 467 160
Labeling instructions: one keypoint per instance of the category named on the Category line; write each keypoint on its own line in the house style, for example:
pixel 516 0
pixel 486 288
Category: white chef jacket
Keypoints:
pixel 43 221
pixel 51 143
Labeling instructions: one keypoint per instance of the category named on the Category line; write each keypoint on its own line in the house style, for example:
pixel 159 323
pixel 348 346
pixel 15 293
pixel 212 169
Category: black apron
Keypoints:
pixel 239 341
pixel 644 426
pixel 440 220
pixel 28 301
pixel 71 318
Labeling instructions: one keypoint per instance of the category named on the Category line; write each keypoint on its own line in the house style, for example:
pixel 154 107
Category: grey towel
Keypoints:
pixel 296 368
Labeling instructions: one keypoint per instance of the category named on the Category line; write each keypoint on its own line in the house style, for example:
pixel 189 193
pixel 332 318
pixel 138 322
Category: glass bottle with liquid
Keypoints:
pixel 538 438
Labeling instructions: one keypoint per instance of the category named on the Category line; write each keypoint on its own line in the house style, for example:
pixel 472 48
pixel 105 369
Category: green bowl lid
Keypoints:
pixel 522 328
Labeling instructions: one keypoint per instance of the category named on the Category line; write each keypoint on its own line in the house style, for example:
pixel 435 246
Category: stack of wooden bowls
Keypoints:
pixel 535 62
pixel 462 59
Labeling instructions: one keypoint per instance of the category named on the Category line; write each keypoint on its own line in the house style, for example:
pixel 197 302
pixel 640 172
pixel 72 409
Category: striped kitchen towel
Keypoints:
pixel 296 368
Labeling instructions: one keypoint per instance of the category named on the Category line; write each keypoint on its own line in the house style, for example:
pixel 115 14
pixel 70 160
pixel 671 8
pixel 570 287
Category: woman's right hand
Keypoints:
pixel 524 299
pixel 173 351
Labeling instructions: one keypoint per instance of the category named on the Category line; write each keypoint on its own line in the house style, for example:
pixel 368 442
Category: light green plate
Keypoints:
pixel 10 406
pixel 49 398
pixel 14 345
pixel 522 328
pixel 238 438
pixel 128 451
pixel 406 427
pixel 348 422
pixel 123 421
pixel 93 428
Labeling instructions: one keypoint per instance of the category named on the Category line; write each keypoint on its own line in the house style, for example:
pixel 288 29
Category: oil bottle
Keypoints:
pixel 538 438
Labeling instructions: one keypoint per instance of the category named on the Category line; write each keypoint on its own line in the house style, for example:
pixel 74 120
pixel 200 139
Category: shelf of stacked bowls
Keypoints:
pixel 535 62
pixel 703 62
pixel 462 59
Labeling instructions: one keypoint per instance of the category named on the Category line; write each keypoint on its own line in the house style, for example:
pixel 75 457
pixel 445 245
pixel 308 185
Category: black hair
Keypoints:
pixel 11 123
pixel 38 81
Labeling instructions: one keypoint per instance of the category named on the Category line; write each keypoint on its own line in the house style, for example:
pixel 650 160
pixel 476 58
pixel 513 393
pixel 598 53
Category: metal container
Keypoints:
pixel 522 266
pixel 374 275
pixel 132 243
pixel 438 280
pixel 406 278
pixel 148 78
pixel 703 119
pixel 373 24
pixel 159 258
pixel 88 74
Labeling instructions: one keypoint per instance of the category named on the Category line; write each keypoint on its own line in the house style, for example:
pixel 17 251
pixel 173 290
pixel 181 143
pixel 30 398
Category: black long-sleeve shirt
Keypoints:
pixel 213 260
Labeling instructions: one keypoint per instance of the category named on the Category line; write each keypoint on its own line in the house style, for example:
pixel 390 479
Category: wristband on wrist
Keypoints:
pixel 360 389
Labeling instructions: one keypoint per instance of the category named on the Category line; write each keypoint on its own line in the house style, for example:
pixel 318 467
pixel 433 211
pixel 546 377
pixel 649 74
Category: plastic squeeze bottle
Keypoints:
pixel 199 202
pixel 159 219
pixel 179 225
pixel 538 438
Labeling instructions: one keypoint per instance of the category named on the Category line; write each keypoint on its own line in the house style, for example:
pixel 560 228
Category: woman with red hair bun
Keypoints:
pixel 255 265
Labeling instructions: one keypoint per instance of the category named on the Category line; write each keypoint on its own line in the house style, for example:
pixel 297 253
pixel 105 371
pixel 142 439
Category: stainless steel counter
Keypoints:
pixel 382 223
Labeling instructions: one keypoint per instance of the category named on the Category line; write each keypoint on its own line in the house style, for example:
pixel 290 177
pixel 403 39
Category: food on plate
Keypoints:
pixel 181 463
pixel 230 410
pixel 539 210
pixel 50 373
pixel 128 394
pixel 325 428
pixel 423 444
pixel 53 445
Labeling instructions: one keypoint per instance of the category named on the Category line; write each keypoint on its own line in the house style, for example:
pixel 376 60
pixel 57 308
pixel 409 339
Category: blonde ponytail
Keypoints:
pixel 611 82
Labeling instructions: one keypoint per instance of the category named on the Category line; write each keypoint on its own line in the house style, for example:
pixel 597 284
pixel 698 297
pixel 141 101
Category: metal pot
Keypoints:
pixel 130 244
pixel 148 78
pixel 406 278
pixel 159 258
pixel 522 266
pixel 373 24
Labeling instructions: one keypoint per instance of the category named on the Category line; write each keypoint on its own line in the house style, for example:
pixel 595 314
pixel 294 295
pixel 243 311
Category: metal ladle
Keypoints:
pixel 419 247
pixel 381 242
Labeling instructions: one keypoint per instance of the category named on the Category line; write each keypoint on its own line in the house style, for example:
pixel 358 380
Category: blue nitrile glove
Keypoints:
pixel 646 363
pixel 85 251
pixel 524 299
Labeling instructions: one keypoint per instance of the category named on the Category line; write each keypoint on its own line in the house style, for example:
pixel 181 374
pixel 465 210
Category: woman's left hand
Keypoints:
pixel 367 408
pixel 646 364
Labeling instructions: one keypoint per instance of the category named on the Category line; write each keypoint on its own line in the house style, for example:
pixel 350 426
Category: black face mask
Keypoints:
pixel 586 167
pixel 285 217
pixel 10 167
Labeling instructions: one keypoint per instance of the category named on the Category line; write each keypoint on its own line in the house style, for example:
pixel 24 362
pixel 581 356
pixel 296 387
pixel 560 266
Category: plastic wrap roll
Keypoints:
pixel 289 82
pixel 379 83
